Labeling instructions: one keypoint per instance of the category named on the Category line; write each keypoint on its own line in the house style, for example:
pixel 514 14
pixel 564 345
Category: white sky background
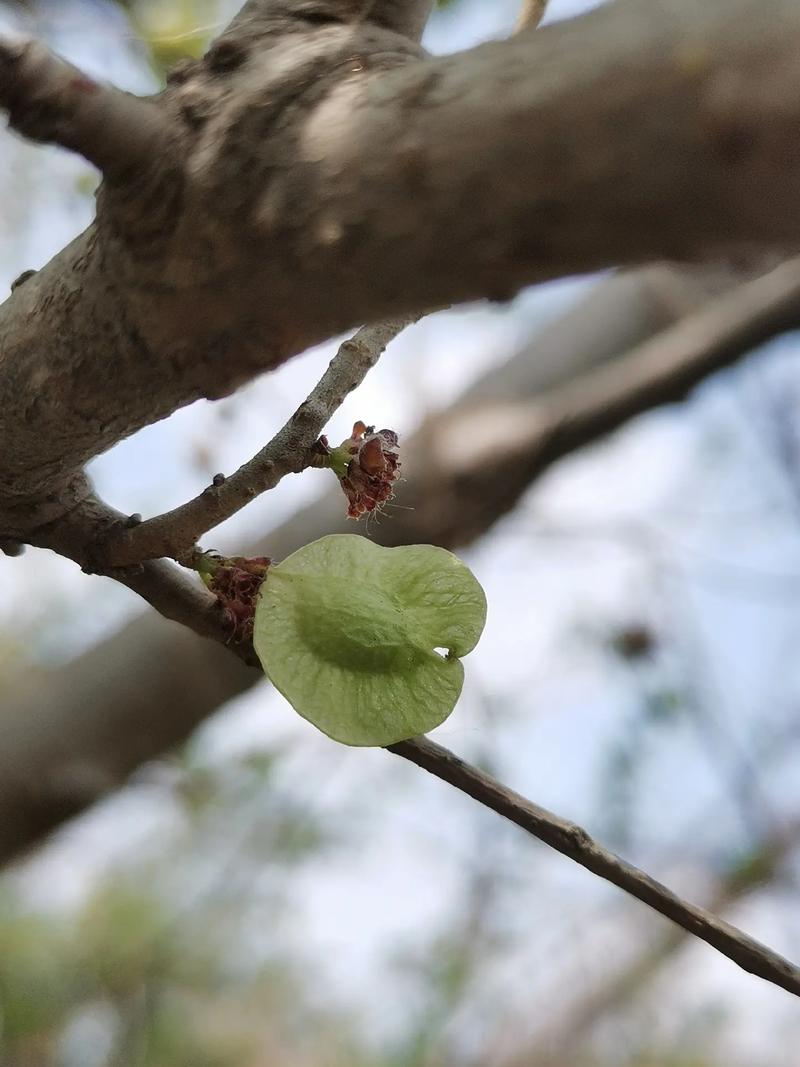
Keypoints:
pixel 684 520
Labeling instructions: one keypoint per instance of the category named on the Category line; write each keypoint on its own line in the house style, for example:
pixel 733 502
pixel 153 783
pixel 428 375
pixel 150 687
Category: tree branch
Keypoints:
pixel 587 142
pixel 493 454
pixel 118 711
pixel 475 462
pixel 574 842
pixel 174 593
pixel 618 312
pixel 175 597
pixel 615 990
pixel 559 834
pixel 50 101
pixel 530 15
pixel 623 135
pixel 289 452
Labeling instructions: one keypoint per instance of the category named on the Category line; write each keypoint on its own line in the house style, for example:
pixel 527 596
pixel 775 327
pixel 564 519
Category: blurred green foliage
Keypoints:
pixel 161 961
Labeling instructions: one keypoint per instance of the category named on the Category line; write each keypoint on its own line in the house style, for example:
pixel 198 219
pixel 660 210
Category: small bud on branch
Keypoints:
pixel 235 581
pixel 366 464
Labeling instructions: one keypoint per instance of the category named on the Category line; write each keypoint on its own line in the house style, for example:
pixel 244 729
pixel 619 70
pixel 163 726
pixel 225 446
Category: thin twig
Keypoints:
pixel 50 101
pixel 531 14
pixel 617 989
pixel 574 842
pixel 289 452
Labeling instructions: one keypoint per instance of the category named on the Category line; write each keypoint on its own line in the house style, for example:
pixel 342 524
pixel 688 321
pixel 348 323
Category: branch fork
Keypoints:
pixel 176 533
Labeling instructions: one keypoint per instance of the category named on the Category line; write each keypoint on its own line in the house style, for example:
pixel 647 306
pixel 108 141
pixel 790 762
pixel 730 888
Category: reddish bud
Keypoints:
pixel 235 581
pixel 368 467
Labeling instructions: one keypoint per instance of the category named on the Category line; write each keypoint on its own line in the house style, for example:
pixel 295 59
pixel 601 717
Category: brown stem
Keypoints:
pixel 574 842
pixel 289 452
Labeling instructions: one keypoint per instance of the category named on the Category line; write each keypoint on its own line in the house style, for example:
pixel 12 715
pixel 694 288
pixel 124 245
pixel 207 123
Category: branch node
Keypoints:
pixel 51 101
pixel 24 277
pixel 226 55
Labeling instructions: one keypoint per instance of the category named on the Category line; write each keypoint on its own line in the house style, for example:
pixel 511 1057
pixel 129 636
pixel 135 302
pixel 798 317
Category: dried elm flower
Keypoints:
pixel 366 465
pixel 235 581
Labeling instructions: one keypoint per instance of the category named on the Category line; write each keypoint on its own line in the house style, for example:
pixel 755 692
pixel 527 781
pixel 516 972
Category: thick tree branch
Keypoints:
pixel 289 452
pixel 608 137
pixel 50 101
pixel 574 842
pixel 323 186
pixel 491 454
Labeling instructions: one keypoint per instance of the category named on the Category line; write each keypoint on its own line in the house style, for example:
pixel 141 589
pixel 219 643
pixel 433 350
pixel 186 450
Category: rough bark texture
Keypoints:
pixel 323 174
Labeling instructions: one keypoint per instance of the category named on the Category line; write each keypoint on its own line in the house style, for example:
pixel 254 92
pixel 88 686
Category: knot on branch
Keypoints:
pixel 226 54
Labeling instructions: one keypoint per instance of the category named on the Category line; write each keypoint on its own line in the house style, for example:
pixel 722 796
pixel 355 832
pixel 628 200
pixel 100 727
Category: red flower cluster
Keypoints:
pixel 235 581
pixel 368 468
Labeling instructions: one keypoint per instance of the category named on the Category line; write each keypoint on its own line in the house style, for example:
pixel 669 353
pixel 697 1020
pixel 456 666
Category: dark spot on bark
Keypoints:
pixel 195 106
pixel 218 479
pixel 226 55
pixel 24 277
pixel 322 18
